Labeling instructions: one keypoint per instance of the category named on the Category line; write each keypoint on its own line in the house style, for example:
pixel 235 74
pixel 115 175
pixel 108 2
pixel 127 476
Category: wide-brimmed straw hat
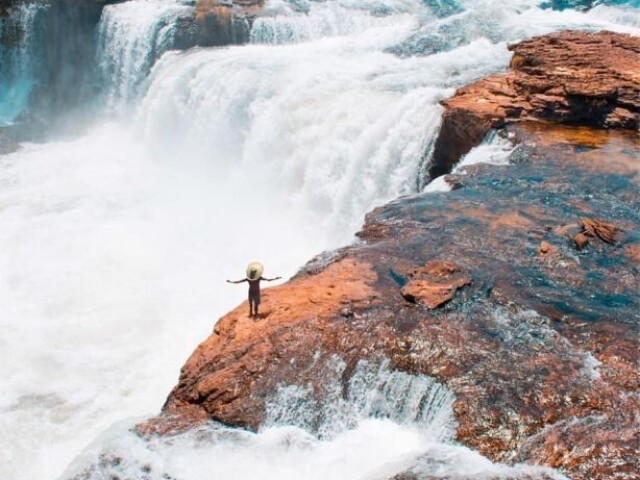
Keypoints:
pixel 254 270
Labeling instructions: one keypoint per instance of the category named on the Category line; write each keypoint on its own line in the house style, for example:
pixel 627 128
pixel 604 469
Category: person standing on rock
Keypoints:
pixel 254 275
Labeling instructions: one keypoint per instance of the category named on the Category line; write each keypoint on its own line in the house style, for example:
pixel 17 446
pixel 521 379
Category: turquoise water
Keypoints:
pixel 15 97
pixel 587 4
pixel 18 58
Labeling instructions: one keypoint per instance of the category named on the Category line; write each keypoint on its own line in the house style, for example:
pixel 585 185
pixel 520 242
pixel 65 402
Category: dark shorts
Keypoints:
pixel 254 298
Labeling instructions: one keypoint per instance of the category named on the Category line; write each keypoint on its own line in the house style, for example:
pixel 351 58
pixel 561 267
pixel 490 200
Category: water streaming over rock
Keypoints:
pixel 301 21
pixel 387 421
pixel 114 245
pixel 131 37
pixel 17 58
pixel 373 391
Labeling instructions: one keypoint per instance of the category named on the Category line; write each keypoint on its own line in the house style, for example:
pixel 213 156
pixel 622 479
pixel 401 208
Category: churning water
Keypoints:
pixel 385 423
pixel 114 246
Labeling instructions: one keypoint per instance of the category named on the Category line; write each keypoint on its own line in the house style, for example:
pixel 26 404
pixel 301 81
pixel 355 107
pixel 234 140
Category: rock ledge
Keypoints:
pixel 571 77
pixel 540 349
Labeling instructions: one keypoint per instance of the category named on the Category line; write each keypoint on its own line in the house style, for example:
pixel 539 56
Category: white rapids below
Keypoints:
pixel 387 423
pixel 115 245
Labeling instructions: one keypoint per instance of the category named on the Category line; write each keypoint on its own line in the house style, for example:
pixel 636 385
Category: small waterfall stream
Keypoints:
pixel 17 59
pixel 373 391
pixel 131 37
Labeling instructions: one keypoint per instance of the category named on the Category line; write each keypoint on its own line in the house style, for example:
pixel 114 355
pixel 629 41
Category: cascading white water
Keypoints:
pixel 373 391
pixel 17 59
pixel 336 136
pixel 114 246
pixel 131 37
pixel 301 21
pixel 386 423
pixel 493 150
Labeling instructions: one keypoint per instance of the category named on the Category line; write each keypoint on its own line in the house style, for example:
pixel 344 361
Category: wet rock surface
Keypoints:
pixel 218 23
pixel 517 290
pixel 540 350
pixel 574 78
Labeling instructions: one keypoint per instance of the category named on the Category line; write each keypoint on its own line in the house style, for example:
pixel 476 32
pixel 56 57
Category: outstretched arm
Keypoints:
pixel 237 281
pixel 270 279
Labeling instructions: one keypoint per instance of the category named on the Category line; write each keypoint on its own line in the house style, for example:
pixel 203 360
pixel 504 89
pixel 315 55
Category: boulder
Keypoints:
pixel 434 284
pixel 570 77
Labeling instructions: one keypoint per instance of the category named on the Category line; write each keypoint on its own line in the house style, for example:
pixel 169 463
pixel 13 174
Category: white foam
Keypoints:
pixel 113 269
pixel 395 422
pixel 494 150
pixel 375 450
pixel 438 185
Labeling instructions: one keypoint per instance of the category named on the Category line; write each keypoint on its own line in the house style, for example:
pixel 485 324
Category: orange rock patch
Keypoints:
pixel 546 249
pixel 600 229
pixel 221 372
pixel 434 284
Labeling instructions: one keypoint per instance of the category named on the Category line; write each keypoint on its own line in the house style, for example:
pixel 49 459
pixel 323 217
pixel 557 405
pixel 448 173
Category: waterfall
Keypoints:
pixel 104 53
pixel 17 59
pixel 298 125
pixel 299 21
pixel 388 422
pixel 115 244
pixel 373 391
pixel 131 37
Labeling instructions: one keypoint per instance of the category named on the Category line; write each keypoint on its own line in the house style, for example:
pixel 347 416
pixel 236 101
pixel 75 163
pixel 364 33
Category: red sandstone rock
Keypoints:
pixel 434 284
pixel 595 229
pixel 216 7
pixel 546 249
pixel 219 23
pixel 581 240
pixel 572 77
pixel 541 356
pixel 600 229
pixel 219 378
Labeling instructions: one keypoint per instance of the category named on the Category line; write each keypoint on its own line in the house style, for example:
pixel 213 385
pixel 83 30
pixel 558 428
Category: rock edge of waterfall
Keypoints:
pixel 517 289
